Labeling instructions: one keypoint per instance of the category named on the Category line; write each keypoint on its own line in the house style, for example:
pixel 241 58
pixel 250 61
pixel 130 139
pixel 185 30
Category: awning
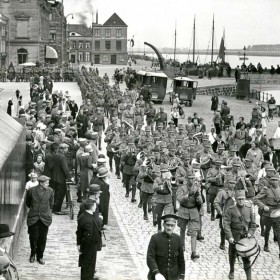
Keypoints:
pixel 51 53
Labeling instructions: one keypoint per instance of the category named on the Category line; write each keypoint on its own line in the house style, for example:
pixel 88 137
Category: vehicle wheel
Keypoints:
pixel 190 103
pixel 160 102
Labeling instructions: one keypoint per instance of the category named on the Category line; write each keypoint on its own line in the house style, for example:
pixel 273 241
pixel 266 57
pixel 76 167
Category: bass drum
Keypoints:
pixel 247 247
pixel 205 162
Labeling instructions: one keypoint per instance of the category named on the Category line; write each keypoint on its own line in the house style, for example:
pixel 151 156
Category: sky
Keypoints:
pixel 246 22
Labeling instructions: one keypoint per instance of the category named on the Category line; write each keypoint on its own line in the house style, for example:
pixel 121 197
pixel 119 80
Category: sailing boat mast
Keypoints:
pixel 194 40
pixel 175 41
pixel 212 42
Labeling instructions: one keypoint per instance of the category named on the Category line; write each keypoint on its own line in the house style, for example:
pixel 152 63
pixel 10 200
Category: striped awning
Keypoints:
pixel 51 53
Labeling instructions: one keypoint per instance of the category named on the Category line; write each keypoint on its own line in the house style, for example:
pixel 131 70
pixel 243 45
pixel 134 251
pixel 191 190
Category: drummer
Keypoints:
pixel 268 200
pixel 239 223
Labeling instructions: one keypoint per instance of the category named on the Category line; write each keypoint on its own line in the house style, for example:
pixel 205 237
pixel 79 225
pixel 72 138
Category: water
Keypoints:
pixel 233 60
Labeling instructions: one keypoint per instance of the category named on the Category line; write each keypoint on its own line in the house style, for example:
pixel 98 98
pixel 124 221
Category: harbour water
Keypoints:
pixel 233 60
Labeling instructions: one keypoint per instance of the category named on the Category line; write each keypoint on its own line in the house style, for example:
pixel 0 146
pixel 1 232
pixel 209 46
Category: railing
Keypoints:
pixel 261 95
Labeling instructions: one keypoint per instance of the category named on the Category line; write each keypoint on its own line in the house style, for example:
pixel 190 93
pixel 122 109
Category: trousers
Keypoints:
pixel 59 194
pixel 38 238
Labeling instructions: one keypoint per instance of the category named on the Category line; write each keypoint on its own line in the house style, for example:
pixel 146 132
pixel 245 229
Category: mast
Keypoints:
pixel 212 42
pixel 194 40
pixel 175 41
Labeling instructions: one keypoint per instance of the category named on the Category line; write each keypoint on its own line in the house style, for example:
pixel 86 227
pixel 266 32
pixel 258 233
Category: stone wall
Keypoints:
pixel 264 79
pixel 223 90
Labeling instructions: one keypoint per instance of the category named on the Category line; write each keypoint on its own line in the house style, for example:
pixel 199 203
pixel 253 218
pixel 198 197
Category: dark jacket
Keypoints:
pixel 40 208
pixel 88 238
pixel 49 163
pixel 104 198
pixel 166 256
pixel 60 169
pixel 274 159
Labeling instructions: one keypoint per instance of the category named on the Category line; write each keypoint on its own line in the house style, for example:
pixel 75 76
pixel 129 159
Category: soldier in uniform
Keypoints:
pixel 268 200
pixel 215 182
pixel 239 222
pixel 142 104
pixel 161 117
pixel 189 197
pixel 138 115
pixel 98 125
pixel 165 256
pixel 113 106
pixel 150 113
pixel 163 193
pixel 128 115
pixel 224 199
pixel 143 139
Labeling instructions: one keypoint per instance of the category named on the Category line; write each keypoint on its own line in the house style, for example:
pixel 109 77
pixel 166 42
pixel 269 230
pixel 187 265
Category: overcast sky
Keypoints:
pixel 246 22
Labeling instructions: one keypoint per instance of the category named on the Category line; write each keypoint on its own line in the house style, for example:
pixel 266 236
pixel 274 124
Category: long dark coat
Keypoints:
pixel 104 198
pixel 215 103
pixel 88 238
pixel 60 169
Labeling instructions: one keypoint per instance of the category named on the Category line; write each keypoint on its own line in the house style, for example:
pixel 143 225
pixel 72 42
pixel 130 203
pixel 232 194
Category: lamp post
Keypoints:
pixel 67 34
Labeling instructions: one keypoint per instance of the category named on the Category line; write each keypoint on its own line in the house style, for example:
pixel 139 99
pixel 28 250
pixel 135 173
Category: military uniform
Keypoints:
pixel 238 223
pixel 98 126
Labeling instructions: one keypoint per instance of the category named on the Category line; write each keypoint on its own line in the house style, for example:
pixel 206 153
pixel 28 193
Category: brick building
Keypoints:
pixel 29 30
pixel 4 36
pixel 109 41
pixel 58 34
pixel 80 43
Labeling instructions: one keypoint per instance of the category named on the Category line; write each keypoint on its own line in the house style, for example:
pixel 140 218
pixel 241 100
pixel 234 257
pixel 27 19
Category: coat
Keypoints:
pixel 60 169
pixel 273 161
pixel 39 208
pixel 88 238
pixel 104 197
pixel 166 256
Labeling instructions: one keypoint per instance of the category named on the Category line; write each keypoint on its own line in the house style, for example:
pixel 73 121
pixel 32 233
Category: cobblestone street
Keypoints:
pixel 124 256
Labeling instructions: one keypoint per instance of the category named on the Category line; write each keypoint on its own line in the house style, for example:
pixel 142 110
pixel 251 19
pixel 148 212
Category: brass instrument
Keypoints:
pixel 149 178
pixel 205 161
pixel 173 163
pixel 140 155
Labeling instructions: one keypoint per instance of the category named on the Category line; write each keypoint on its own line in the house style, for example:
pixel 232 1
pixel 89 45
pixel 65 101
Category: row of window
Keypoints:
pixel 84 56
pixel 108 45
pixel 97 33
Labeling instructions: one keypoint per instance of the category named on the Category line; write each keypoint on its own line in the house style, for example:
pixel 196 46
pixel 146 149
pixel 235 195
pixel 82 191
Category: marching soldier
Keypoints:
pixel 239 222
pixel 128 114
pixel 165 256
pixel 161 117
pixel 215 183
pixel 224 199
pixel 190 200
pixel 150 113
pixel 98 125
pixel 138 115
pixel 143 138
pixel 163 194
pixel 268 200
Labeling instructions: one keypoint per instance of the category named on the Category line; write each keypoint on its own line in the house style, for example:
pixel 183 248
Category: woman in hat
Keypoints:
pixel 39 165
pixel 33 182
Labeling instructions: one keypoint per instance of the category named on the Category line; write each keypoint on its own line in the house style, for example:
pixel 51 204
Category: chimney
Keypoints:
pixel 96 16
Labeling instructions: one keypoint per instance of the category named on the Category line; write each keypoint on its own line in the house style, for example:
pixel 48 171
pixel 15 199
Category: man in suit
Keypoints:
pixel 59 177
pixel 271 156
pixel 88 241
pixel 39 200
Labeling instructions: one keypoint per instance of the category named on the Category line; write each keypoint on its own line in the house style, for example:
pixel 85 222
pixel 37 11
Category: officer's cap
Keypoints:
pixel 169 218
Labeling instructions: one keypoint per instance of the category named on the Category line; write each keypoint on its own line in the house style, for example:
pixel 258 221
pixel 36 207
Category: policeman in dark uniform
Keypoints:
pixel 165 255
pixel 239 222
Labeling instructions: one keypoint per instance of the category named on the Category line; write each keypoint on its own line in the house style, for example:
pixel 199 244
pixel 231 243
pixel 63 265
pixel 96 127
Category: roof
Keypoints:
pixel 10 131
pixel 152 74
pixel 114 20
pixel 184 79
pixel 80 29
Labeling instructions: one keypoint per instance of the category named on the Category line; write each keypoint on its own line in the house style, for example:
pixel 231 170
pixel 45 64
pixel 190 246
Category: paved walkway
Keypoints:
pixel 128 236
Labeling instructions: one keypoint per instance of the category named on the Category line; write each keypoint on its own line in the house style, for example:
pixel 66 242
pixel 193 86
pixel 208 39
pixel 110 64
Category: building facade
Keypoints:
pixel 29 30
pixel 58 34
pixel 80 43
pixel 4 37
pixel 109 41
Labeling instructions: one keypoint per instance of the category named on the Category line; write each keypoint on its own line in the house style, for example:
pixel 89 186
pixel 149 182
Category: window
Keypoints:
pixel 119 33
pixel 87 56
pixel 97 32
pixel 107 45
pixel 107 33
pixel 81 56
pixel 53 37
pixel 22 28
pixel 118 45
pixel 74 45
pixel 97 45
pixel 81 45
pixel 3 30
pixel 87 45
pixel 22 55
pixel 105 58
pixel 3 46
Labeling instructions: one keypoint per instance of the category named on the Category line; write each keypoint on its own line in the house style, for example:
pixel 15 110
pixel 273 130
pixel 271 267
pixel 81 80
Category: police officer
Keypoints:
pixel 239 222
pixel 165 255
